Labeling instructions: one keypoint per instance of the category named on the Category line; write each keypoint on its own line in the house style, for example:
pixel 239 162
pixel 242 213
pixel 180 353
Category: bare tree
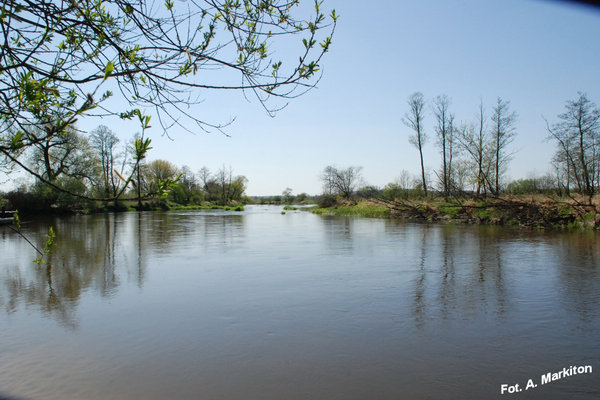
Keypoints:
pixel 414 120
pixel 444 130
pixel 204 175
pixel 104 141
pixel 503 133
pixel 188 178
pixel 578 137
pixel 474 141
pixel 480 150
pixel 328 178
pixel 451 150
pixel 561 174
pixel 403 180
pixel 461 172
pixel 342 182
pixel 224 178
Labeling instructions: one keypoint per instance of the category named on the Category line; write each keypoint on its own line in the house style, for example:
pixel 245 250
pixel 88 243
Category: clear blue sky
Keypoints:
pixel 535 53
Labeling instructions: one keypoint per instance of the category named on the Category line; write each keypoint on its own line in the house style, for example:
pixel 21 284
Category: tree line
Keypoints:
pixel 475 154
pixel 479 146
pixel 97 168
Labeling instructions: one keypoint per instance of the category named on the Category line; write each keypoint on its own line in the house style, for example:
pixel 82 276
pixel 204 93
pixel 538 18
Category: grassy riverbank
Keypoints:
pixel 529 212
pixel 365 208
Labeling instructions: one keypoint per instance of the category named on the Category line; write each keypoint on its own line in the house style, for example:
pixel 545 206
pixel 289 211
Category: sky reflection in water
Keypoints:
pixel 259 305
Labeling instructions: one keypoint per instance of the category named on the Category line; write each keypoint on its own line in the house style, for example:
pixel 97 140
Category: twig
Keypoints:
pixel 18 231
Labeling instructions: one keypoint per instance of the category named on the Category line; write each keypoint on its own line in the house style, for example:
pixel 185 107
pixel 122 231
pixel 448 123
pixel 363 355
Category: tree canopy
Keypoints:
pixel 62 60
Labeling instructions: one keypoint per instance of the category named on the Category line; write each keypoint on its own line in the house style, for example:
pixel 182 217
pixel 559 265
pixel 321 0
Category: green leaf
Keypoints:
pixel 106 95
pixel 48 247
pixel 50 241
pixel 109 68
pixel 130 114
pixel 16 142
pixel 141 148
pixel 17 220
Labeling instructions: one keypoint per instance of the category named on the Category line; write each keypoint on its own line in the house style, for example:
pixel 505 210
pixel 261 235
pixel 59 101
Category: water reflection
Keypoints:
pixel 490 271
pixel 456 269
pixel 83 258
pixel 258 304
pixel 447 295
pixel 339 233
pixel 95 253
pixel 419 303
pixel 579 258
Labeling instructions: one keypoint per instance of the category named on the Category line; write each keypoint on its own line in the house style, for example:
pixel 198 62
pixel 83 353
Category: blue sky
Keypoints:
pixel 537 54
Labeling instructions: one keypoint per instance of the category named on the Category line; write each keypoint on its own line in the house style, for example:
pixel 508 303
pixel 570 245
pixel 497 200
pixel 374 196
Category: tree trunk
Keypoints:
pixel 422 168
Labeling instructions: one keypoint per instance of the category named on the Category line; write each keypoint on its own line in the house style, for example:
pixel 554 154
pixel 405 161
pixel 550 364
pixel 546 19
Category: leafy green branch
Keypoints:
pixel 16 227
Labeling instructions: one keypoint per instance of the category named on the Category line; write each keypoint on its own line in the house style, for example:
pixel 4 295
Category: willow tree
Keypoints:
pixel 64 60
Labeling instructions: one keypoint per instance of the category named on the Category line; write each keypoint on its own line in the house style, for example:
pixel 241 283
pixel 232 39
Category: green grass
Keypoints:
pixel 362 209
pixel 450 209
pixel 565 211
pixel 487 214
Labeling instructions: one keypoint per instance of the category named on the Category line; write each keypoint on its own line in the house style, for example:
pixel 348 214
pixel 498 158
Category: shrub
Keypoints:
pixel 327 201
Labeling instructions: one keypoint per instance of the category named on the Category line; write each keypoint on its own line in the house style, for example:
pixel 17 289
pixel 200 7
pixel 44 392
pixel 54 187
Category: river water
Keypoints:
pixel 260 305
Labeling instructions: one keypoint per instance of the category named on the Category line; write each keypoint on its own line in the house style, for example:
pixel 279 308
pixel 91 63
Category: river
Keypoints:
pixel 260 305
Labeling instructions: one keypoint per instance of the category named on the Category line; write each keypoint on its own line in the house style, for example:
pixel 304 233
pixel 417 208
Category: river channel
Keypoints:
pixel 260 305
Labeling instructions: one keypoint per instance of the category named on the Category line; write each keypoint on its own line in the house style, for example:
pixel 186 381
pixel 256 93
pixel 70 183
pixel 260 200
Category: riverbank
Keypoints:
pixel 519 212
pixel 160 206
pixel 33 210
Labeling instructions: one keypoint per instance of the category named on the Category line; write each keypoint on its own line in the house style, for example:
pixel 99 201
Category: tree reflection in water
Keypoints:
pixel 436 309
pixel 420 305
pixel 579 257
pixel 96 253
pixel 82 259
pixel 457 271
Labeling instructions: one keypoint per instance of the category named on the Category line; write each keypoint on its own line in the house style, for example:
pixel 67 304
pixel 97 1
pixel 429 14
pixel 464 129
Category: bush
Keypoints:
pixel 541 185
pixel 369 192
pixel 26 201
pixel 327 201
pixel 393 191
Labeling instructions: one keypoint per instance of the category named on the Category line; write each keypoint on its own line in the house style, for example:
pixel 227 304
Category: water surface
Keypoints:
pixel 260 305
